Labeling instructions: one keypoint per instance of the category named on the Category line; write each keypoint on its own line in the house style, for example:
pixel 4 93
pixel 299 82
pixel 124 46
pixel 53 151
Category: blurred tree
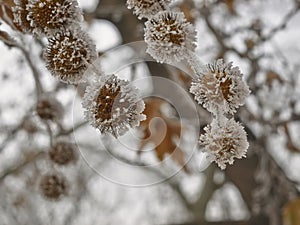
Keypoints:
pixel 260 36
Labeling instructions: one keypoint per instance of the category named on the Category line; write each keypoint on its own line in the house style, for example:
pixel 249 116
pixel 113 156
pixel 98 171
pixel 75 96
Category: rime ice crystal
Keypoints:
pixel 225 141
pixel 20 15
pixel 147 8
pixel 112 105
pixel 220 87
pixel 169 37
pixel 48 16
pixel 69 54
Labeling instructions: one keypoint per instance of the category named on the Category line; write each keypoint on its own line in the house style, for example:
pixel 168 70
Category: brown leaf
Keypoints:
pixel 291 213
pixel 273 76
pixel 230 6
pixel 250 43
pixel 161 131
pixel 187 7
pixel 152 110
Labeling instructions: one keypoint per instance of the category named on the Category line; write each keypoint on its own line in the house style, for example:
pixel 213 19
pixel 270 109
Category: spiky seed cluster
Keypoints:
pixel 68 55
pixel 220 87
pixel 20 15
pixel 48 16
pixel 53 186
pixel 169 37
pixel 48 108
pixel 112 105
pixel 225 142
pixel 63 153
pixel 147 8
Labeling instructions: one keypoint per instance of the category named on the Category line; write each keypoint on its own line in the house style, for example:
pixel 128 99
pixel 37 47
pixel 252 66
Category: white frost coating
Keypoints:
pixel 225 141
pixel 169 37
pixel 220 87
pixel 112 105
pixel 20 15
pixel 147 8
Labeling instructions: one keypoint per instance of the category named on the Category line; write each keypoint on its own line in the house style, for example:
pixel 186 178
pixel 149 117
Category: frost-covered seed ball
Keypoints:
pixel 147 8
pixel 169 37
pixel 69 54
pixel 220 88
pixel 49 16
pixel 112 105
pixel 53 186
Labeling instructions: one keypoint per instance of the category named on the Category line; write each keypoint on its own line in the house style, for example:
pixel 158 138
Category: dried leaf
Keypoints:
pixel 161 131
pixel 188 8
pixel 273 76
pixel 291 213
pixel 230 6
pixel 250 43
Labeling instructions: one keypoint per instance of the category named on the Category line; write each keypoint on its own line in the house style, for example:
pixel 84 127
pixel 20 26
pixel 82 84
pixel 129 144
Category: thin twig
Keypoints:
pixel 72 129
pixel 35 73
pixel 282 25
pixel 21 165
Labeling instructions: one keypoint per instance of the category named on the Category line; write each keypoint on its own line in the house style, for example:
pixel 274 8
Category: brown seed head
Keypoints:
pixel 220 87
pixel 147 8
pixel 49 108
pixel 68 55
pixel 174 34
pixel 223 78
pixel 63 153
pixel 53 186
pixel 48 16
pixel 169 37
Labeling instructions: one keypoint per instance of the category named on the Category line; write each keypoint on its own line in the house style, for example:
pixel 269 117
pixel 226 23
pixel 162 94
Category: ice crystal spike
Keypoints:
pixel 20 15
